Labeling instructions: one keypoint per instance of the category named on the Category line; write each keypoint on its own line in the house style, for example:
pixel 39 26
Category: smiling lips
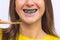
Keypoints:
pixel 29 11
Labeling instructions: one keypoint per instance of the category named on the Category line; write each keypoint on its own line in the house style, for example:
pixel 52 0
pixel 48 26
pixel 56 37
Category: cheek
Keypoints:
pixel 19 3
pixel 40 4
pixel 39 1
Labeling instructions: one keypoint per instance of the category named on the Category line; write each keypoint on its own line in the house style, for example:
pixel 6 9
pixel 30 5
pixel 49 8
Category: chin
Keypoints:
pixel 29 21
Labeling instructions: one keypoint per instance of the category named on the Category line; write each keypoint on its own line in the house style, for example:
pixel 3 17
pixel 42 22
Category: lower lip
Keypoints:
pixel 29 15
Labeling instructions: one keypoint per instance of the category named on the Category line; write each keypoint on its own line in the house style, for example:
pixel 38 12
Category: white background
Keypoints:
pixel 4 5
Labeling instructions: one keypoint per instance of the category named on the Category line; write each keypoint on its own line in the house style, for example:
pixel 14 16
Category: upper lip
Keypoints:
pixel 30 8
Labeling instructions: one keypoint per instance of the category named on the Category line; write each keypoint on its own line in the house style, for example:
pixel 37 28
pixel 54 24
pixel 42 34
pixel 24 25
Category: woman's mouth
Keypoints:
pixel 30 11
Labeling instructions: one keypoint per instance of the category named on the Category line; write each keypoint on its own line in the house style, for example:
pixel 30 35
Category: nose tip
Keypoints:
pixel 30 3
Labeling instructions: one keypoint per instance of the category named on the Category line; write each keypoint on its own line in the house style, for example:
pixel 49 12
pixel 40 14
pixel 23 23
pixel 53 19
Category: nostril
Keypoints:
pixel 29 5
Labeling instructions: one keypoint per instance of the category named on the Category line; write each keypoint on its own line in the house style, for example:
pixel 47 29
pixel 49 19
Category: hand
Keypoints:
pixel 2 22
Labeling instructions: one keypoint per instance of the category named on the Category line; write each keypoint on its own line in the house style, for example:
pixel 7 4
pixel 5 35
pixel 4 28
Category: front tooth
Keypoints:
pixel 33 10
pixel 28 11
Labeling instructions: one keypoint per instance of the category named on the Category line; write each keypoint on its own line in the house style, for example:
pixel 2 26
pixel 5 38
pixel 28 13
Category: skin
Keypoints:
pixel 31 25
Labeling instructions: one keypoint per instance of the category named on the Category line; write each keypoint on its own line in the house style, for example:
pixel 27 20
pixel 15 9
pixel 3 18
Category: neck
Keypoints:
pixel 32 30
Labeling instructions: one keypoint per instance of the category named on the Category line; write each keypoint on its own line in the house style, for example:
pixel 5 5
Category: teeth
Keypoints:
pixel 29 11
